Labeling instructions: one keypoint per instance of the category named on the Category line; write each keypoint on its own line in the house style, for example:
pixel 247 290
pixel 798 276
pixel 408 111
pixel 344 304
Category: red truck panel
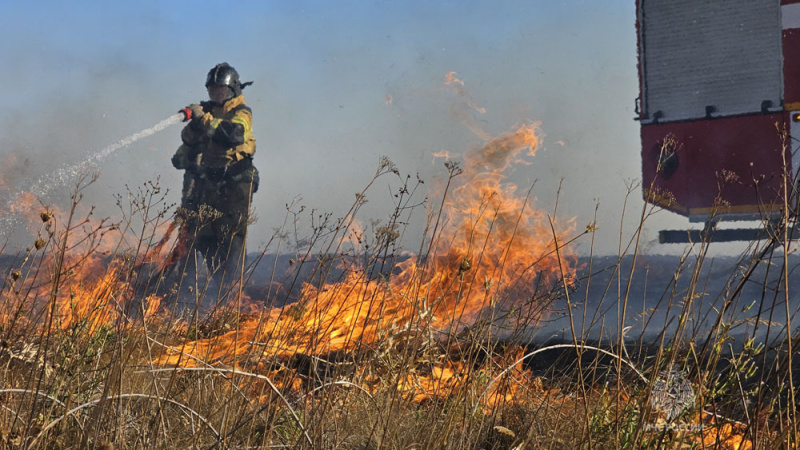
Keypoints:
pixel 739 160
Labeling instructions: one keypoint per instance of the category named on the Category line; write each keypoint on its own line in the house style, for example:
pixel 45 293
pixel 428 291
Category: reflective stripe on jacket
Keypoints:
pixel 223 135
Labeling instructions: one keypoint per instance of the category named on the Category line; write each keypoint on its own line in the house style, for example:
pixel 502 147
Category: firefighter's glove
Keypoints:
pixel 197 111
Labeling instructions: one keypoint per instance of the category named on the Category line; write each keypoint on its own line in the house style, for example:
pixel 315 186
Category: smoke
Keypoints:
pixel 335 89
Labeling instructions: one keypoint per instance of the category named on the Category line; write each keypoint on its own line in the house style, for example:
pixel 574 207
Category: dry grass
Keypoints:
pixel 92 356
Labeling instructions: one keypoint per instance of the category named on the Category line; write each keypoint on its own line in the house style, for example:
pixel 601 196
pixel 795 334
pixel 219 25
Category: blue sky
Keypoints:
pixel 79 76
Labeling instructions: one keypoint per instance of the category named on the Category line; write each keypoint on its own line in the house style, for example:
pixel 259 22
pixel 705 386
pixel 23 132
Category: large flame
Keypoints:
pixel 490 252
pixel 490 256
pixel 68 277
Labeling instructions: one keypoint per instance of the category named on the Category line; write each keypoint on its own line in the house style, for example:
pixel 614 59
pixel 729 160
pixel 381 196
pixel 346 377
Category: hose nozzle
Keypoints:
pixel 187 114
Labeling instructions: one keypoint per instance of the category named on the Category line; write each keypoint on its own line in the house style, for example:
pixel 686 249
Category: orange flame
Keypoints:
pixel 451 78
pixel 96 303
pixel 85 290
pixel 723 435
pixel 440 381
pixel 489 254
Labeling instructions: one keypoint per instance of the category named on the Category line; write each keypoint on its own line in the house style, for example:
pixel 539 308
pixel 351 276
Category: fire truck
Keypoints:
pixel 719 108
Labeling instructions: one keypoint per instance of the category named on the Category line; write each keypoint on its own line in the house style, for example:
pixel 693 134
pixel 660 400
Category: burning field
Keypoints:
pixel 352 342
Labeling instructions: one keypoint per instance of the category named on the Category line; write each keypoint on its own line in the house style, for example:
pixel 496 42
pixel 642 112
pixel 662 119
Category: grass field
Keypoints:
pixel 351 340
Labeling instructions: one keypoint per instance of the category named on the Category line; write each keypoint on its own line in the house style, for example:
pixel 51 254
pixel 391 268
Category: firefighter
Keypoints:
pixel 219 178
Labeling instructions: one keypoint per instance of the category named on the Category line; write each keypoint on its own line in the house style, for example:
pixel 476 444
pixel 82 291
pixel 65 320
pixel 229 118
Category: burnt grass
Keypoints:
pixel 652 283
pixel 652 287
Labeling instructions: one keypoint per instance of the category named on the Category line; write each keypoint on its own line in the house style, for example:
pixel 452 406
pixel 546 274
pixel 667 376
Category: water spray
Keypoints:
pixel 47 184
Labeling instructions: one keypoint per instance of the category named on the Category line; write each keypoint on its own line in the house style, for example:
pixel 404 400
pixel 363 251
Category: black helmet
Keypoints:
pixel 224 74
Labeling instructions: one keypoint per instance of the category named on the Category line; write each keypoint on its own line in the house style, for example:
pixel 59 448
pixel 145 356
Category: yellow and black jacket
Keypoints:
pixel 222 137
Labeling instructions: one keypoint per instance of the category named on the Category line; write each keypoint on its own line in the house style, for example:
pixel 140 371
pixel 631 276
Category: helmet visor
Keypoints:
pixel 218 93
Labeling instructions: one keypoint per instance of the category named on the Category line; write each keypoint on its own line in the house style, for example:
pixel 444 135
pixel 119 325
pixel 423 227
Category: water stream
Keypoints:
pixel 45 185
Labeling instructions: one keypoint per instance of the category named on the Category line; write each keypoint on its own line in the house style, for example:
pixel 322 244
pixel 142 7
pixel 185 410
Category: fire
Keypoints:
pixel 728 438
pixel 93 303
pixel 71 275
pixel 442 154
pixel 491 253
pixel 91 293
pixel 158 249
pixel 452 78
pixel 436 382
pixel 723 435
pixel 491 258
